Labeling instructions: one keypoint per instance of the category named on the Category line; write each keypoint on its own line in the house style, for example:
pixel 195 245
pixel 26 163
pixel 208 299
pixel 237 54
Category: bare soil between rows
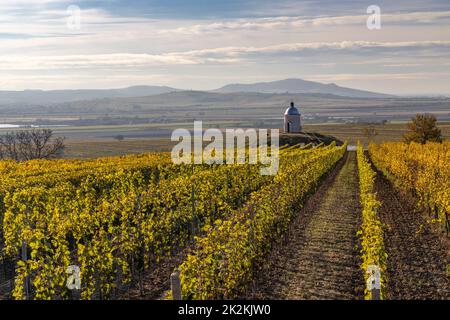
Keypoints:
pixel 319 257
pixel 418 253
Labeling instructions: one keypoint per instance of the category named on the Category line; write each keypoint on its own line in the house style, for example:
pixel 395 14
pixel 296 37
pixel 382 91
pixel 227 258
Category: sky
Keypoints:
pixel 202 45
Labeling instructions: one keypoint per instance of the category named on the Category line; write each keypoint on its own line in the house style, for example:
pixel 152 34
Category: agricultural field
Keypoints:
pixel 224 159
pixel 315 230
pixel 88 142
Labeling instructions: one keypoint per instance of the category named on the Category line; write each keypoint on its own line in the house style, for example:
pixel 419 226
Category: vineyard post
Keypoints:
pixel 75 294
pixel 27 279
pixel 375 294
pixel 175 285
pixel 194 217
pixel 374 282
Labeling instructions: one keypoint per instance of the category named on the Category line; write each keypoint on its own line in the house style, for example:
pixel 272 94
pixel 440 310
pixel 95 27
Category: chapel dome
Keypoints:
pixel 292 111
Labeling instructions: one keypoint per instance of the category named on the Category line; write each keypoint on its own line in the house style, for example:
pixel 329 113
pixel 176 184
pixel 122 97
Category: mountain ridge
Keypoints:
pixel 72 95
pixel 290 86
pixel 300 86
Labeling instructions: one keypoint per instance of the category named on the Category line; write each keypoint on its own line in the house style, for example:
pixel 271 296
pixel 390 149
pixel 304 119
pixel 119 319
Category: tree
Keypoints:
pixel 370 132
pixel 119 137
pixel 422 129
pixel 30 144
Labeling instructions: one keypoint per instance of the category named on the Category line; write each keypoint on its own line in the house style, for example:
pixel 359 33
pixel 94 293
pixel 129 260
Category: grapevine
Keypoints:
pixel 422 170
pixel 371 233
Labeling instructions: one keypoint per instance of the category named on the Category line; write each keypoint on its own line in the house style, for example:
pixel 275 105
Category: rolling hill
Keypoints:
pixel 290 86
pixel 60 96
pixel 299 86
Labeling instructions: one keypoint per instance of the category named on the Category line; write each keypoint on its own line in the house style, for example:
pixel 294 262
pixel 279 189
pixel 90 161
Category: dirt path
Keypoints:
pixel 320 257
pixel 418 256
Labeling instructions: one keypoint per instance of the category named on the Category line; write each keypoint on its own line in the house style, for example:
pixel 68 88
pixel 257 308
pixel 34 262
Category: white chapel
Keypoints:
pixel 292 121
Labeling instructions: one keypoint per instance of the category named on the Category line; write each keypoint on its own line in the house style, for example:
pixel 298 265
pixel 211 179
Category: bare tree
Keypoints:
pixel 370 132
pixel 119 137
pixel 31 144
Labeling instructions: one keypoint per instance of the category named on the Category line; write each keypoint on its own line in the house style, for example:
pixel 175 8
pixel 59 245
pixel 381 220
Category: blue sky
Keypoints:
pixel 205 44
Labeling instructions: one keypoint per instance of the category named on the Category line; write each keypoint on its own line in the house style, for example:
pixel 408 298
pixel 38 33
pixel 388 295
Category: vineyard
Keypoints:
pixel 322 216
pixel 423 170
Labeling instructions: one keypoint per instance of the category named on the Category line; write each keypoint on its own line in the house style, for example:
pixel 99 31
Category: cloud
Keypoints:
pixel 378 76
pixel 287 22
pixel 224 55
pixel 402 65
pixel 95 61
pixel 248 39
pixel 299 48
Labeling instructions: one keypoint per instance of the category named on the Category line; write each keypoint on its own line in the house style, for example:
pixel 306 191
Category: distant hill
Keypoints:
pixel 59 96
pixel 252 108
pixel 299 86
pixel 288 86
